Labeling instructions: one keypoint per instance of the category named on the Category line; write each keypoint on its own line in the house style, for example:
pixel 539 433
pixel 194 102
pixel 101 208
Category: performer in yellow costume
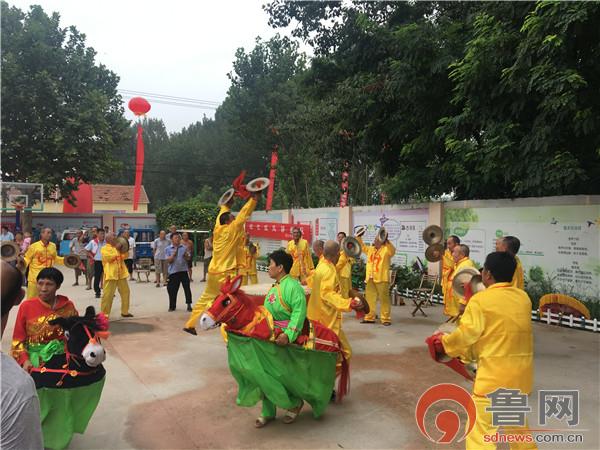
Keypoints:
pixel 248 271
pixel 496 329
pixel 447 269
pixel 39 255
pixel 326 304
pixel 115 277
pixel 226 235
pixel 317 248
pixel 379 257
pixel 300 251
pixel 344 268
pixel 512 245
pixel 461 261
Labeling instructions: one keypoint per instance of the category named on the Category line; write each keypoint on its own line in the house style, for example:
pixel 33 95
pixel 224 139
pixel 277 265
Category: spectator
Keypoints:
pixel 177 257
pixel 189 244
pixel 19 240
pixel 26 241
pixel 106 229
pixel 77 247
pixel 93 248
pixel 208 249
pixel 172 230
pixel 160 259
pixel 21 424
pixel 6 235
pixel 131 253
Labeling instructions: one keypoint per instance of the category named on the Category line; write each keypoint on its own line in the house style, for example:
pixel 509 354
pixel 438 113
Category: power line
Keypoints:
pixel 188 105
pixel 169 97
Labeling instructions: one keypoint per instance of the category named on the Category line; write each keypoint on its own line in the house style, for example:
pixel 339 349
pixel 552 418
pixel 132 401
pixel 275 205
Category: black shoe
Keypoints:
pixel 367 321
pixel 97 295
pixel 333 396
pixel 386 324
pixel 189 307
pixel 127 315
pixel 171 309
pixel 191 331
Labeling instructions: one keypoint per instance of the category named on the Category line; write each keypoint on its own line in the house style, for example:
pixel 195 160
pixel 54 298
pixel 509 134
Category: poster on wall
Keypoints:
pixel 266 245
pixel 132 222
pixel 323 222
pixel 560 242
pixel 62 222
pixel 405 230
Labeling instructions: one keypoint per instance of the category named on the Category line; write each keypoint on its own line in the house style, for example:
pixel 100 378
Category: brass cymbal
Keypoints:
pixel 433 235
pixel 467 275
pixel 72 261
pixel 9 250
pixel 434 253
pixel 351 247
pixel 227 195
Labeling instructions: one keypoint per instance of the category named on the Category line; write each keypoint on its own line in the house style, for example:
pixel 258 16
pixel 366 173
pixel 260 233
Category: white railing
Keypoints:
pixel 569 321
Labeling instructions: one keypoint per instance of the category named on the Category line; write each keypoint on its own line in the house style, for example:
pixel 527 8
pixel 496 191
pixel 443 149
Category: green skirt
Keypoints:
pixel 67 411
pixel 281 374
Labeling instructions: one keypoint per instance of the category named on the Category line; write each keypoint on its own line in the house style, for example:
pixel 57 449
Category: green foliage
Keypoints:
pixel 190 214
pixel 406 278
pixel 61 114
pixel 359 272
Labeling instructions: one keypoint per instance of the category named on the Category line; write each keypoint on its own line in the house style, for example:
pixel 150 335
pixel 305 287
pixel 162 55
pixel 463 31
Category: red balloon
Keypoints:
pixel 139 106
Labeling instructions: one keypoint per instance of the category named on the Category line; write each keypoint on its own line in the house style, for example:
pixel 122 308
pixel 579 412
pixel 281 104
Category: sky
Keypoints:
pixel 176 48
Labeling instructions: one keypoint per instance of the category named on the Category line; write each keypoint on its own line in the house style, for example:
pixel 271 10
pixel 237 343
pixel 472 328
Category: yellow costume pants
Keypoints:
pixel 249 278
pixel 345 286
pixel 211 291
pixel 381 291
pixel 110 286
pixel 31 289
pixel 483 426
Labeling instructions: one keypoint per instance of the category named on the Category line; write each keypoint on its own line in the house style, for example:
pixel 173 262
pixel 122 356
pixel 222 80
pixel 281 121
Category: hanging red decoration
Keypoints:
pixel 139 106
pixel 274 160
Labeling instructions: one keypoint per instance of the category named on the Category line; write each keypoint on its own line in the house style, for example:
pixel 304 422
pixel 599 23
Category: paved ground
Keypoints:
pixel 168 389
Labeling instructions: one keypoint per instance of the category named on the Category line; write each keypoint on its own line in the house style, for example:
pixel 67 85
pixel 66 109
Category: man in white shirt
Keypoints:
pixel 21 424
pixel 93 248
pixel 131 255
pixel 6 235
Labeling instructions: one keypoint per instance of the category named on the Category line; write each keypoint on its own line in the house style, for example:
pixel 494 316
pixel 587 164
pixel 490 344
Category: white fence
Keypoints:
pixel 570 321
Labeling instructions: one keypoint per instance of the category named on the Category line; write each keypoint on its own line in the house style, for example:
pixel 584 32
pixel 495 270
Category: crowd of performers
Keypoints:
pixel 493 326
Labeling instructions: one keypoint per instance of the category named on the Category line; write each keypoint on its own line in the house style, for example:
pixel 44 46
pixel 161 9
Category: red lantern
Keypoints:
pixel 139 106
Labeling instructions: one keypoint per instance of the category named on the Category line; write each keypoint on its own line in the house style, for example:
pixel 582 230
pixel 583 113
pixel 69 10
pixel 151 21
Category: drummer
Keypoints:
pixel 286 302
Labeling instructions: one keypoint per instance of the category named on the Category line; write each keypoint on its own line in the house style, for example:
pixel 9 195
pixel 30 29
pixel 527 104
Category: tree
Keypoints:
pixel 61 114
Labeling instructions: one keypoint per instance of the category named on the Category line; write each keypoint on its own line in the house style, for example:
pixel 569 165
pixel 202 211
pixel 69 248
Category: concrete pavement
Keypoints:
pixel 168 389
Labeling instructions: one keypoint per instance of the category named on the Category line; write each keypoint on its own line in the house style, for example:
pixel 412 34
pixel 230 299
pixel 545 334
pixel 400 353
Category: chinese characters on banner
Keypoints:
pixel 275 230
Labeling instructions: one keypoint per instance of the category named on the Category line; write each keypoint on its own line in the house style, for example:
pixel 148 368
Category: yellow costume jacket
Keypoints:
pixel 378 261
pixel 40 256
pixel 303 262
pixel 460 265
pixel 249 260
pixel 518 280
pixel 226 240
pixel 344 265
pixel 447 268
pixel 496 329
pixel 113 263
pixel 326 304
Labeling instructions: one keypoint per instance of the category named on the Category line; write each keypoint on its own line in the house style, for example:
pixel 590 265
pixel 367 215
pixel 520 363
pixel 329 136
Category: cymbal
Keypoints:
pixel 122 244
pixel 351 247
pixel 360 230
pixel 258 184
pixel 434 252
pixel 467 275
pixel 433 234
pixel 9 250
pixel 227 195
pixel 382 235
pixel 72 261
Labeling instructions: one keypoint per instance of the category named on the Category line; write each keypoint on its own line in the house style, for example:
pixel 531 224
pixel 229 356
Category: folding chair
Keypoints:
pixel 424 293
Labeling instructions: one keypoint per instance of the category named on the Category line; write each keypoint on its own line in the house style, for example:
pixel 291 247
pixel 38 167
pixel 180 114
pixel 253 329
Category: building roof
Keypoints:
pixel 116 193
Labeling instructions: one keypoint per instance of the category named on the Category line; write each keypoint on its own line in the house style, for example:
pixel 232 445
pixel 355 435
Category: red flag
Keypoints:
pixel 139 167
pixel 274 160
